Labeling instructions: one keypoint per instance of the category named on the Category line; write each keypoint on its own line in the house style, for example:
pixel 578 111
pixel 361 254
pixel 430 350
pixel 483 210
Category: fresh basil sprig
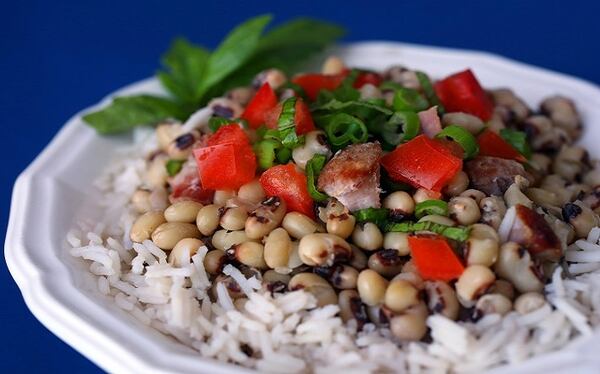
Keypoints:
pixel 192 75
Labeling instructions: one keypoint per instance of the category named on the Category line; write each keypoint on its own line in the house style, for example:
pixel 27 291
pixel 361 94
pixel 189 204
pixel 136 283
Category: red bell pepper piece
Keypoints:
pixel 264 100
pixel 227 162
pixel 434 258
pixel 303 118
pixel 461 92
pixel 492 144
pixel 367 77
pixel 290 185
pixel 422 162
pixel 313 83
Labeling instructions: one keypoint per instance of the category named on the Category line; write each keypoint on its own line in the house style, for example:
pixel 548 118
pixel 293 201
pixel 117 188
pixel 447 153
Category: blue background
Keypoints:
pixel 59 57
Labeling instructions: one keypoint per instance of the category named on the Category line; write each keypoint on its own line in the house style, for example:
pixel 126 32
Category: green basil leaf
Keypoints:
pixel 215 123
pixel 174 166
pixel 127 112
pixel 518 139
pixel 234 51
pixel 286 124
pixel 378 216
pixel 184 64
pixel 313 169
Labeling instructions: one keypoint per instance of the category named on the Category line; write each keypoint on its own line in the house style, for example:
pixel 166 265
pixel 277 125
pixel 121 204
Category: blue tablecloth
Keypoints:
pixel 58 57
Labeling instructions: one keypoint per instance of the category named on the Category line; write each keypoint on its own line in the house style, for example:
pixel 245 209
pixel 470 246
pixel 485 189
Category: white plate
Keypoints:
pixel 50 191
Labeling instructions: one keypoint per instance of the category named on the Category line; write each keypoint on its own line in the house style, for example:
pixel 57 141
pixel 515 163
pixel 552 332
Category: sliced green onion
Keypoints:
pixel 458 233
pixel 286 123
pixel 313 169
pixel 214 123
pixel 401 127
pixel 265 152
pixel 466 140
pixel 174 166
pixel 343 129
pixel 337 105
pixel 429 91
pixel 407 99
pixel 518 139
pixel 427 207
pixel 378 216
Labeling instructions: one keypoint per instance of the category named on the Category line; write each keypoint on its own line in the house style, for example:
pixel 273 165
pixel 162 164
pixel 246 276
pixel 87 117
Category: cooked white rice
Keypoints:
pixel 286 332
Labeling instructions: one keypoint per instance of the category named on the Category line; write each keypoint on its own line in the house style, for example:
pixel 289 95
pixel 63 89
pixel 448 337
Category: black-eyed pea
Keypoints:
pixel 436 218
pixel 214 261
pixel 411 324
pixel 400 295
pixel 400 202
pixel 441 299
pixel 342 277
pixel 543 197
pixel 248 253
pixel 464 210
pixel 232 287
pixel 482 246
pixel 397 241
pixel 529 302
pixel 359 258
pixel 295 261
pixel 184 249
pixel 492 303
pixel 371 287
pixel 341 225
pixel 181 147
pixel 207 219
pixel 221 197
pixel 516 265
pixel 166 133
pixel 252 192
pixel 321 249
pixel 233 218
pixel 503 287
pixel 386 262
pixel 352 308
pixel 168 234
pixel 299 225
pixel 472 283
pixel 469 122
pixel 412 277
pixel 274 77
pixel 278 248
pixel 317 286
pixel 275 281
pixel 377 315
pixel 144 225
pixel 240 304
pixel 423 194
pixel 241 95
pixel 333 65
pixel 224 239
pixel 367 236
pixel 315 143
pixel 493 210
pixel 141 201
pixel 226 108
pixel 473 194
pixel 457 185
pixel 265 218
pixel 581 217
pixel 156 172
pixel 183 211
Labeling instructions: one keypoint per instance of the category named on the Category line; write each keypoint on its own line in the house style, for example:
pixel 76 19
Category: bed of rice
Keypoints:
pixel 286 333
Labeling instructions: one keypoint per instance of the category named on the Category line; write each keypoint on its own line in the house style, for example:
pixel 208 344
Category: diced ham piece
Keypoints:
pixel 531 230
pixel 352 176
pixel 494 175
pixel 430 122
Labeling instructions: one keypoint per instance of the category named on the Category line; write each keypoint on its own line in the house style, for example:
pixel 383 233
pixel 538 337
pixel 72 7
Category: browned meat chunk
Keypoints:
pixel 494 175
pixel 531 230
pixel 352 176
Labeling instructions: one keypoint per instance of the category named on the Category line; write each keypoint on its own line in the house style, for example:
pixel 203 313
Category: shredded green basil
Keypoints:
pixel 215 123
pixel 313 169
pixel 427 207
pixel 286 123
pixel 174 167
pixel 518 140
pixel 458 233
pixel 378 216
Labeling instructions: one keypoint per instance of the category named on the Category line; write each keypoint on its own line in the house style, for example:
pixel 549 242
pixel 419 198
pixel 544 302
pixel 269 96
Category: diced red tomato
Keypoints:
pixel 313 83
pixel 461 92
pixel 422 162
pixel 228 134
pixel 492 144
pixel 290 185
pixel 227 162
pixel 225 166
pixel 367 77
pixel 188 187
pixel 264 100
pixel 303 118
pixel 434 258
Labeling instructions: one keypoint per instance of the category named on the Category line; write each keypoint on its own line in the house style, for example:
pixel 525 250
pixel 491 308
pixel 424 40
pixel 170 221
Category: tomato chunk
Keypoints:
pixel 422 162
pixel 225 166
pixel 264 100
pixel 302 117
pixel 187 186
pixel 367 77
pixel 228 134
pixel 492 144
pixel 434 258
pixel 290 185
pixel 461 92
pixel 313 83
